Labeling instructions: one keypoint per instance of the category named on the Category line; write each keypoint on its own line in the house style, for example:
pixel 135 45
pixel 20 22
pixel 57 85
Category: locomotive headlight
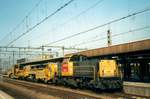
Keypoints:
pixel 71 69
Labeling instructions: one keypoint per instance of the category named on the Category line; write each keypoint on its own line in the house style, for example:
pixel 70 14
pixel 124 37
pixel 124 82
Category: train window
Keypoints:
pixel 78 58
pixel 21 67
pixel 75 58
pixel 33 67
pixel 83 58
pixel 37 66
pixel 41 66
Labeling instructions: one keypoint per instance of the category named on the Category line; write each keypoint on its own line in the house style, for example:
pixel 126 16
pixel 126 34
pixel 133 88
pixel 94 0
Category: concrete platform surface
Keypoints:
pixel 136 88
pixel 4 95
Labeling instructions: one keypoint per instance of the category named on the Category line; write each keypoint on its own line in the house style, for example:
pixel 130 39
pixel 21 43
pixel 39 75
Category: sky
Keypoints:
pixel 18 16
pixel 78 16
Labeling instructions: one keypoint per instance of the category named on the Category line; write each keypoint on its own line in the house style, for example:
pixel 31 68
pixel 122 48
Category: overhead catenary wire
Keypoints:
pixel 24 19
pixel 43 20
pixel 99 26
pixel 78 15
pixel 81 13
pixel 118 34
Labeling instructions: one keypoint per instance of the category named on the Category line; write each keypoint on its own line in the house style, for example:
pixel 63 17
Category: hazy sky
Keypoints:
pixel 70 21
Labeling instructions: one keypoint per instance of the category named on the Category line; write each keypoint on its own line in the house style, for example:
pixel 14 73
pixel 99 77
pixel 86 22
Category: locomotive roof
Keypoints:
pixel 70 55
pixel 43 61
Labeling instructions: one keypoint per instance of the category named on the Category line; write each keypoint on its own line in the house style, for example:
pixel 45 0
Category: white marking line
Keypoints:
pixel 4 95
pixel 120 98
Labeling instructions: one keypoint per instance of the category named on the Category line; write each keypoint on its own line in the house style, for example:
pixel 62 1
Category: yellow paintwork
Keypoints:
pixel 69 66
pixel 108 68
pixel 70 70
pixel 20 73
pixel 48 73
pixel 15 71
pixel 54 70
pixel 40 74
pixel 26 70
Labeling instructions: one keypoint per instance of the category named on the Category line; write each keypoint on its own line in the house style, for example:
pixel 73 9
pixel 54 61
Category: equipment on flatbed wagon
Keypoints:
pixel 15 71
pixel 73 70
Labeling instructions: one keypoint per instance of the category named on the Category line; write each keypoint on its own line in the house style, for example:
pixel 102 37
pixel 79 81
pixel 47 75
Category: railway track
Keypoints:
pixel 59 92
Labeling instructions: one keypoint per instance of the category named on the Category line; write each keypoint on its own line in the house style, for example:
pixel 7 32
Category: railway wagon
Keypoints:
pixel 40 72
pixel 37 72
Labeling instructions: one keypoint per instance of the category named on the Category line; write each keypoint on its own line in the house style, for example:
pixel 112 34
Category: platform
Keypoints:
pixel 4 95
pixel 136 88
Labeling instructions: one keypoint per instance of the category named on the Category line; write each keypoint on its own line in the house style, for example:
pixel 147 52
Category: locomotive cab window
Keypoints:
pixel 83 58
pixel 75 58
pixel 78 58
